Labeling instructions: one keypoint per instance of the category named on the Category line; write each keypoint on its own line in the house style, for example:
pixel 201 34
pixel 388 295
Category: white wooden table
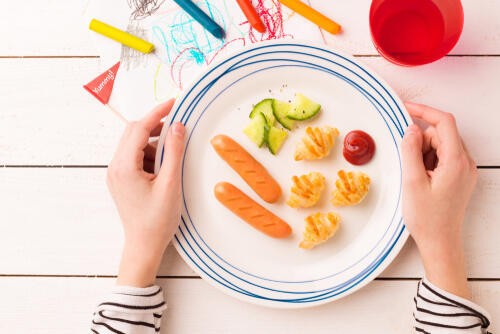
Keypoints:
pixel 60 236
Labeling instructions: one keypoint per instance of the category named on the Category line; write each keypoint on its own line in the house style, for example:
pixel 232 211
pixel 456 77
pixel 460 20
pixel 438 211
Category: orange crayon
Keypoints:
pixel 252 15
pixel 312 15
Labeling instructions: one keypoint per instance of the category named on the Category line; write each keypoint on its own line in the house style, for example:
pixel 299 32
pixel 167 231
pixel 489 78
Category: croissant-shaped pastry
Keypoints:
pixel 306 190
pixel 316 144
pixel 351 188
pixel 319 228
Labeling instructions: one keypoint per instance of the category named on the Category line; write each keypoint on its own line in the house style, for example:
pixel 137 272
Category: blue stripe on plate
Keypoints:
pixel 198 119
pixel 288 51
pixel 187 211
pixel 326 293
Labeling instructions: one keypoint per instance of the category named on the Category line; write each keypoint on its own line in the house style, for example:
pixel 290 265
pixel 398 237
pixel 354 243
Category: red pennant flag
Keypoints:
pixel 102 86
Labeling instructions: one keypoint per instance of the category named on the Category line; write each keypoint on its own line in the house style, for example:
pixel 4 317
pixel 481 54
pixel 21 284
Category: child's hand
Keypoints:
pixel 438 179
pixel 149 205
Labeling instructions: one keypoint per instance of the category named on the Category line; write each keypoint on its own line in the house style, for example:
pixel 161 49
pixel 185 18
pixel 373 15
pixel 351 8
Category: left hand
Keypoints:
pixel 149 205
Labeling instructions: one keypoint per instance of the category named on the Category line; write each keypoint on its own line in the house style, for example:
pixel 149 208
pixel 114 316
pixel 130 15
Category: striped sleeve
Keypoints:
pixel 130 310
pixel 438 312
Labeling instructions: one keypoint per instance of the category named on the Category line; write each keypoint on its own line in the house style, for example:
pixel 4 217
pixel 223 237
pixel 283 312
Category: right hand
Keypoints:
pixel 439 177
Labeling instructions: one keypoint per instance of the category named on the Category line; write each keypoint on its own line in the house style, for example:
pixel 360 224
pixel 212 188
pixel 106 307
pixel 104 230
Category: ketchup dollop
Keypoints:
pixel 359 147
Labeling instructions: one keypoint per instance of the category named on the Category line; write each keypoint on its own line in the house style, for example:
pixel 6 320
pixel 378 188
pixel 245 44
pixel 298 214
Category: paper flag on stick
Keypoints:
pixel 102 86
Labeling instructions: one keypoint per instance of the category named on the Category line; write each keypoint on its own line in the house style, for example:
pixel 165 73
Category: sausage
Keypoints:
pixel 250 211
pixel 252 172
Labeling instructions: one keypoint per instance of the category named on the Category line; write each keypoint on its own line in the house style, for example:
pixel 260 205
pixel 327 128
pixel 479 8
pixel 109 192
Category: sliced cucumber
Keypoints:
pixel 275 138
pixel 265 107
pixel 256 130
pixel 303 108
pixel 280 111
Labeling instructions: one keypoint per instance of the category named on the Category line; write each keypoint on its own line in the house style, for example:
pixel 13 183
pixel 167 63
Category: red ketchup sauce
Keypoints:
pixel 359 147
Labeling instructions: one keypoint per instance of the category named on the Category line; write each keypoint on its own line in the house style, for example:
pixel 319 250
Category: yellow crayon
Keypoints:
pixel 120 36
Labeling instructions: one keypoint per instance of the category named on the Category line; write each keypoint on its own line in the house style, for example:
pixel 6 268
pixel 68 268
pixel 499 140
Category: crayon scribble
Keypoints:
pixel 179 32
pixel 178 66
pixel 272 17
pixel 131 58
pixel 142 9
pixel 184 45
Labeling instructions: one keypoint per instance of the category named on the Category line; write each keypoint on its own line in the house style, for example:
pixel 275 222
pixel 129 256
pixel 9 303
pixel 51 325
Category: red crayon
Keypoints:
pixel 252 15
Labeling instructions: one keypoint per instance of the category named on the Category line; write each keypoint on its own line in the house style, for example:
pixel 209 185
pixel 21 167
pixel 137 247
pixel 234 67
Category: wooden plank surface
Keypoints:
pixel 62 221
pixel 195 307
pixel 60 123
pixel 45 28
pixel 48 118
pixel 57 28
pixel 59 221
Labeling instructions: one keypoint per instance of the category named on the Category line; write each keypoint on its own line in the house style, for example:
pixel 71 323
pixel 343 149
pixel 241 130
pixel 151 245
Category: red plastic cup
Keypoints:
pixel 415 32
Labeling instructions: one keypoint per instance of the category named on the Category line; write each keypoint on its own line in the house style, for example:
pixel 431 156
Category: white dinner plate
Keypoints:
pixel 241 261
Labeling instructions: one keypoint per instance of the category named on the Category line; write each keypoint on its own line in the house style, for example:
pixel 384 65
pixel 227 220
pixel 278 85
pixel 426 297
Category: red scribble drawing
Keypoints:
pixel 177 66
pixel 186 49
pixel 272 17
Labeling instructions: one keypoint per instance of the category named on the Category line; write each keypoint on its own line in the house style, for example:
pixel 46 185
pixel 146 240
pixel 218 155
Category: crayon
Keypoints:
pixel 252 15
pixel 121 36
pixel 199 15
pixel 312 15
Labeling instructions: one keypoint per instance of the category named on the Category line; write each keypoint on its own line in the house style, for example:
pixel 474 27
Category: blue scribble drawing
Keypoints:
pixel 180 32
pixel 184 46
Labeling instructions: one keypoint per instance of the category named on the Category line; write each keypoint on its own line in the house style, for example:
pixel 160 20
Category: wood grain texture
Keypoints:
pixel 65 32
pixel 44 28
pixel 58 123
pixel 63 221
pixel 60 221
pixel 196 307
pixel 48 118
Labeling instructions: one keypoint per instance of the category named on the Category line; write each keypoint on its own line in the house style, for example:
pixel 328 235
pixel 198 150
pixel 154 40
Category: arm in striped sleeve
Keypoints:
pixel 130 310
pixel 439 312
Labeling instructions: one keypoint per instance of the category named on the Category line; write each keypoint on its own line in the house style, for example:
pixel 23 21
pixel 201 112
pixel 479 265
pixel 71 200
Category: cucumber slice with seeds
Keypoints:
pixel 256 130
pixel 303 108
pixel 265 107
pixel 281 110
pixel 275 138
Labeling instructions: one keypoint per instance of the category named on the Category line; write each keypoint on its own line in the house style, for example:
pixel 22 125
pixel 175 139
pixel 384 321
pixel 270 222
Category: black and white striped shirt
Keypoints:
pixel 130 310
pixel 439 312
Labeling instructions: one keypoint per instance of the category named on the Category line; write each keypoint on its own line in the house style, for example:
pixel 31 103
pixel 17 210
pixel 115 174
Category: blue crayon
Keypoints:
pixel 202 18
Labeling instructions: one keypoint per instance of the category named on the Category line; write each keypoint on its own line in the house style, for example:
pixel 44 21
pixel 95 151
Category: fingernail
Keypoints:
pixel 411 129
pixel 179 129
